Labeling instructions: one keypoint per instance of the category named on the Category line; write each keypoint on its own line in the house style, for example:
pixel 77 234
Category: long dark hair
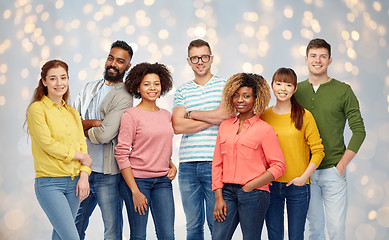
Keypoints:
pixel 287 75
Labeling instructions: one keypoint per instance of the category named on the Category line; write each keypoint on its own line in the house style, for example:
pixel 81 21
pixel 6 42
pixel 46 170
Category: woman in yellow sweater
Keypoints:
pixel 303 151
pixel 61 162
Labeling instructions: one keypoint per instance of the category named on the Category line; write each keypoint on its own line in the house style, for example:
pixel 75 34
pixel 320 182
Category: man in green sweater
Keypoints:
pixel 332 103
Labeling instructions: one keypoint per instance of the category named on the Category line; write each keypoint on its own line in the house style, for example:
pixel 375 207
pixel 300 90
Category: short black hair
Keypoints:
pixel 137 74
pixel 123 45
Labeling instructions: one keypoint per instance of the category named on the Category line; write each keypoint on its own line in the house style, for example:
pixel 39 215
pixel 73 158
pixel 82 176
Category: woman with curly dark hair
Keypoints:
pixel 144 152
pixel 247 158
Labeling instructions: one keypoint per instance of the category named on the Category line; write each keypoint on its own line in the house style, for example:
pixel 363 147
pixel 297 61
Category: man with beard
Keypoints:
pixel 101 104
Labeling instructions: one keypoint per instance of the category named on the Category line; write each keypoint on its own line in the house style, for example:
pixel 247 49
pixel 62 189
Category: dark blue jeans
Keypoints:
pixel 159 194
pixel 297 203
pixel 198 199
pixel 247 208
pixel 104 191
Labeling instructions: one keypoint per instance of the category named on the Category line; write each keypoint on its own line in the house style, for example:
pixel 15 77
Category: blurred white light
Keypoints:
pixel 247 67
pixel 88 8
pixel 7 14
pixel 24 73
pixel 377 6
pixel 149 2
pixel 25 95
pixel 2 101
pixel 3 79
pixel 82 75
pixel 249 31
pixel 77 57
pixel 14 219
pixel 120 2
pixel 130 29
pixel 58 40
pixel 167 50
pixel 258 68
pixel 288 11
pixel 143 40
pixel 163 34
pixel 200 31
pixel 59 4
pixel 287 34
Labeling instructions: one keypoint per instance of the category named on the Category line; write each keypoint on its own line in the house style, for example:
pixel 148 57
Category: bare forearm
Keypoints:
pixel 189 126
pixel 219 193
pixel 182 125
pixel 87 124
pixel 214 117
pixel 129 178
pixel 259 181
pixel 308 172
pixel 344 161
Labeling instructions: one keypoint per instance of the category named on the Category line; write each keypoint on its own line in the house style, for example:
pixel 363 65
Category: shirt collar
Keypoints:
pixel 49 103
pixel 251 121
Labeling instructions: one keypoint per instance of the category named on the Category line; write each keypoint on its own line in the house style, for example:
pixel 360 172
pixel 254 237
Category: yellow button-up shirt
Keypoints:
pixel 56 135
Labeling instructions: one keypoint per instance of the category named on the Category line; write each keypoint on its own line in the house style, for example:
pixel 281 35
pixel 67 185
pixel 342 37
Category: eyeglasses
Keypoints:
pixel 204 59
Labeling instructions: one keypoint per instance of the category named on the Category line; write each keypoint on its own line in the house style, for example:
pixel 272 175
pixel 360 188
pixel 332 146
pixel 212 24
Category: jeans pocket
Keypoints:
pixel 338 174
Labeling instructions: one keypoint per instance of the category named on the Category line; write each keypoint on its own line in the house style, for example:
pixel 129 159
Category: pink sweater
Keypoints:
pixel 145 142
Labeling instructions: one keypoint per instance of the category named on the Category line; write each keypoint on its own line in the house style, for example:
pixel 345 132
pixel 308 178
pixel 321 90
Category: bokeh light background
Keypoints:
pixel 251 36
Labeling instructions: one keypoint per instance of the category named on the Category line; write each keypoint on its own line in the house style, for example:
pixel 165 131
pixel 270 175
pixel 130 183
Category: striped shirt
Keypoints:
pixel 199 146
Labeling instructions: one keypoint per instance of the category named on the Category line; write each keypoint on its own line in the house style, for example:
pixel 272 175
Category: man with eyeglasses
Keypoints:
pixel 197 113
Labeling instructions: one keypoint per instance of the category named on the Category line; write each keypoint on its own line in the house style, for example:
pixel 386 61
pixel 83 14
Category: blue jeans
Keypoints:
pixel 57 197
pixel 247 208
pixel 195 182
pixel 159 194
pixel 104 191
pixel 329 194
pixel 297 203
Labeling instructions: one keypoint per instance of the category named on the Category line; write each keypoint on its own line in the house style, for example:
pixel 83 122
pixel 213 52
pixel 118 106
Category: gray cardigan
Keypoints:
pixel 111 109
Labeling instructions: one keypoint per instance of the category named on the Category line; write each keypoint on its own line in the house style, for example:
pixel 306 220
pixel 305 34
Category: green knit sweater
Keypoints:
pixel 331 105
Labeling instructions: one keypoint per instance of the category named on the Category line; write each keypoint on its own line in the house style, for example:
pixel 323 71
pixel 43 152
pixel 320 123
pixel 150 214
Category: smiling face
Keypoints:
pixel 150 87
pixel 243 101
pixel 117 63
pixel 318 60
pixel 57 83
pixel 200 69
pixel 283 91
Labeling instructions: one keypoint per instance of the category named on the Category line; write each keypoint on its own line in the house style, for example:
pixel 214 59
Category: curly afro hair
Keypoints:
pixel 261 91
pixel 137 74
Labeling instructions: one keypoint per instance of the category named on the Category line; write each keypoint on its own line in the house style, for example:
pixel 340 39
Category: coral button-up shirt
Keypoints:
pixel 241 157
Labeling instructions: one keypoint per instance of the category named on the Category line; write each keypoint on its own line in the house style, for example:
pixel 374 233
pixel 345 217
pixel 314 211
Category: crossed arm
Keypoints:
pixel 195 121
